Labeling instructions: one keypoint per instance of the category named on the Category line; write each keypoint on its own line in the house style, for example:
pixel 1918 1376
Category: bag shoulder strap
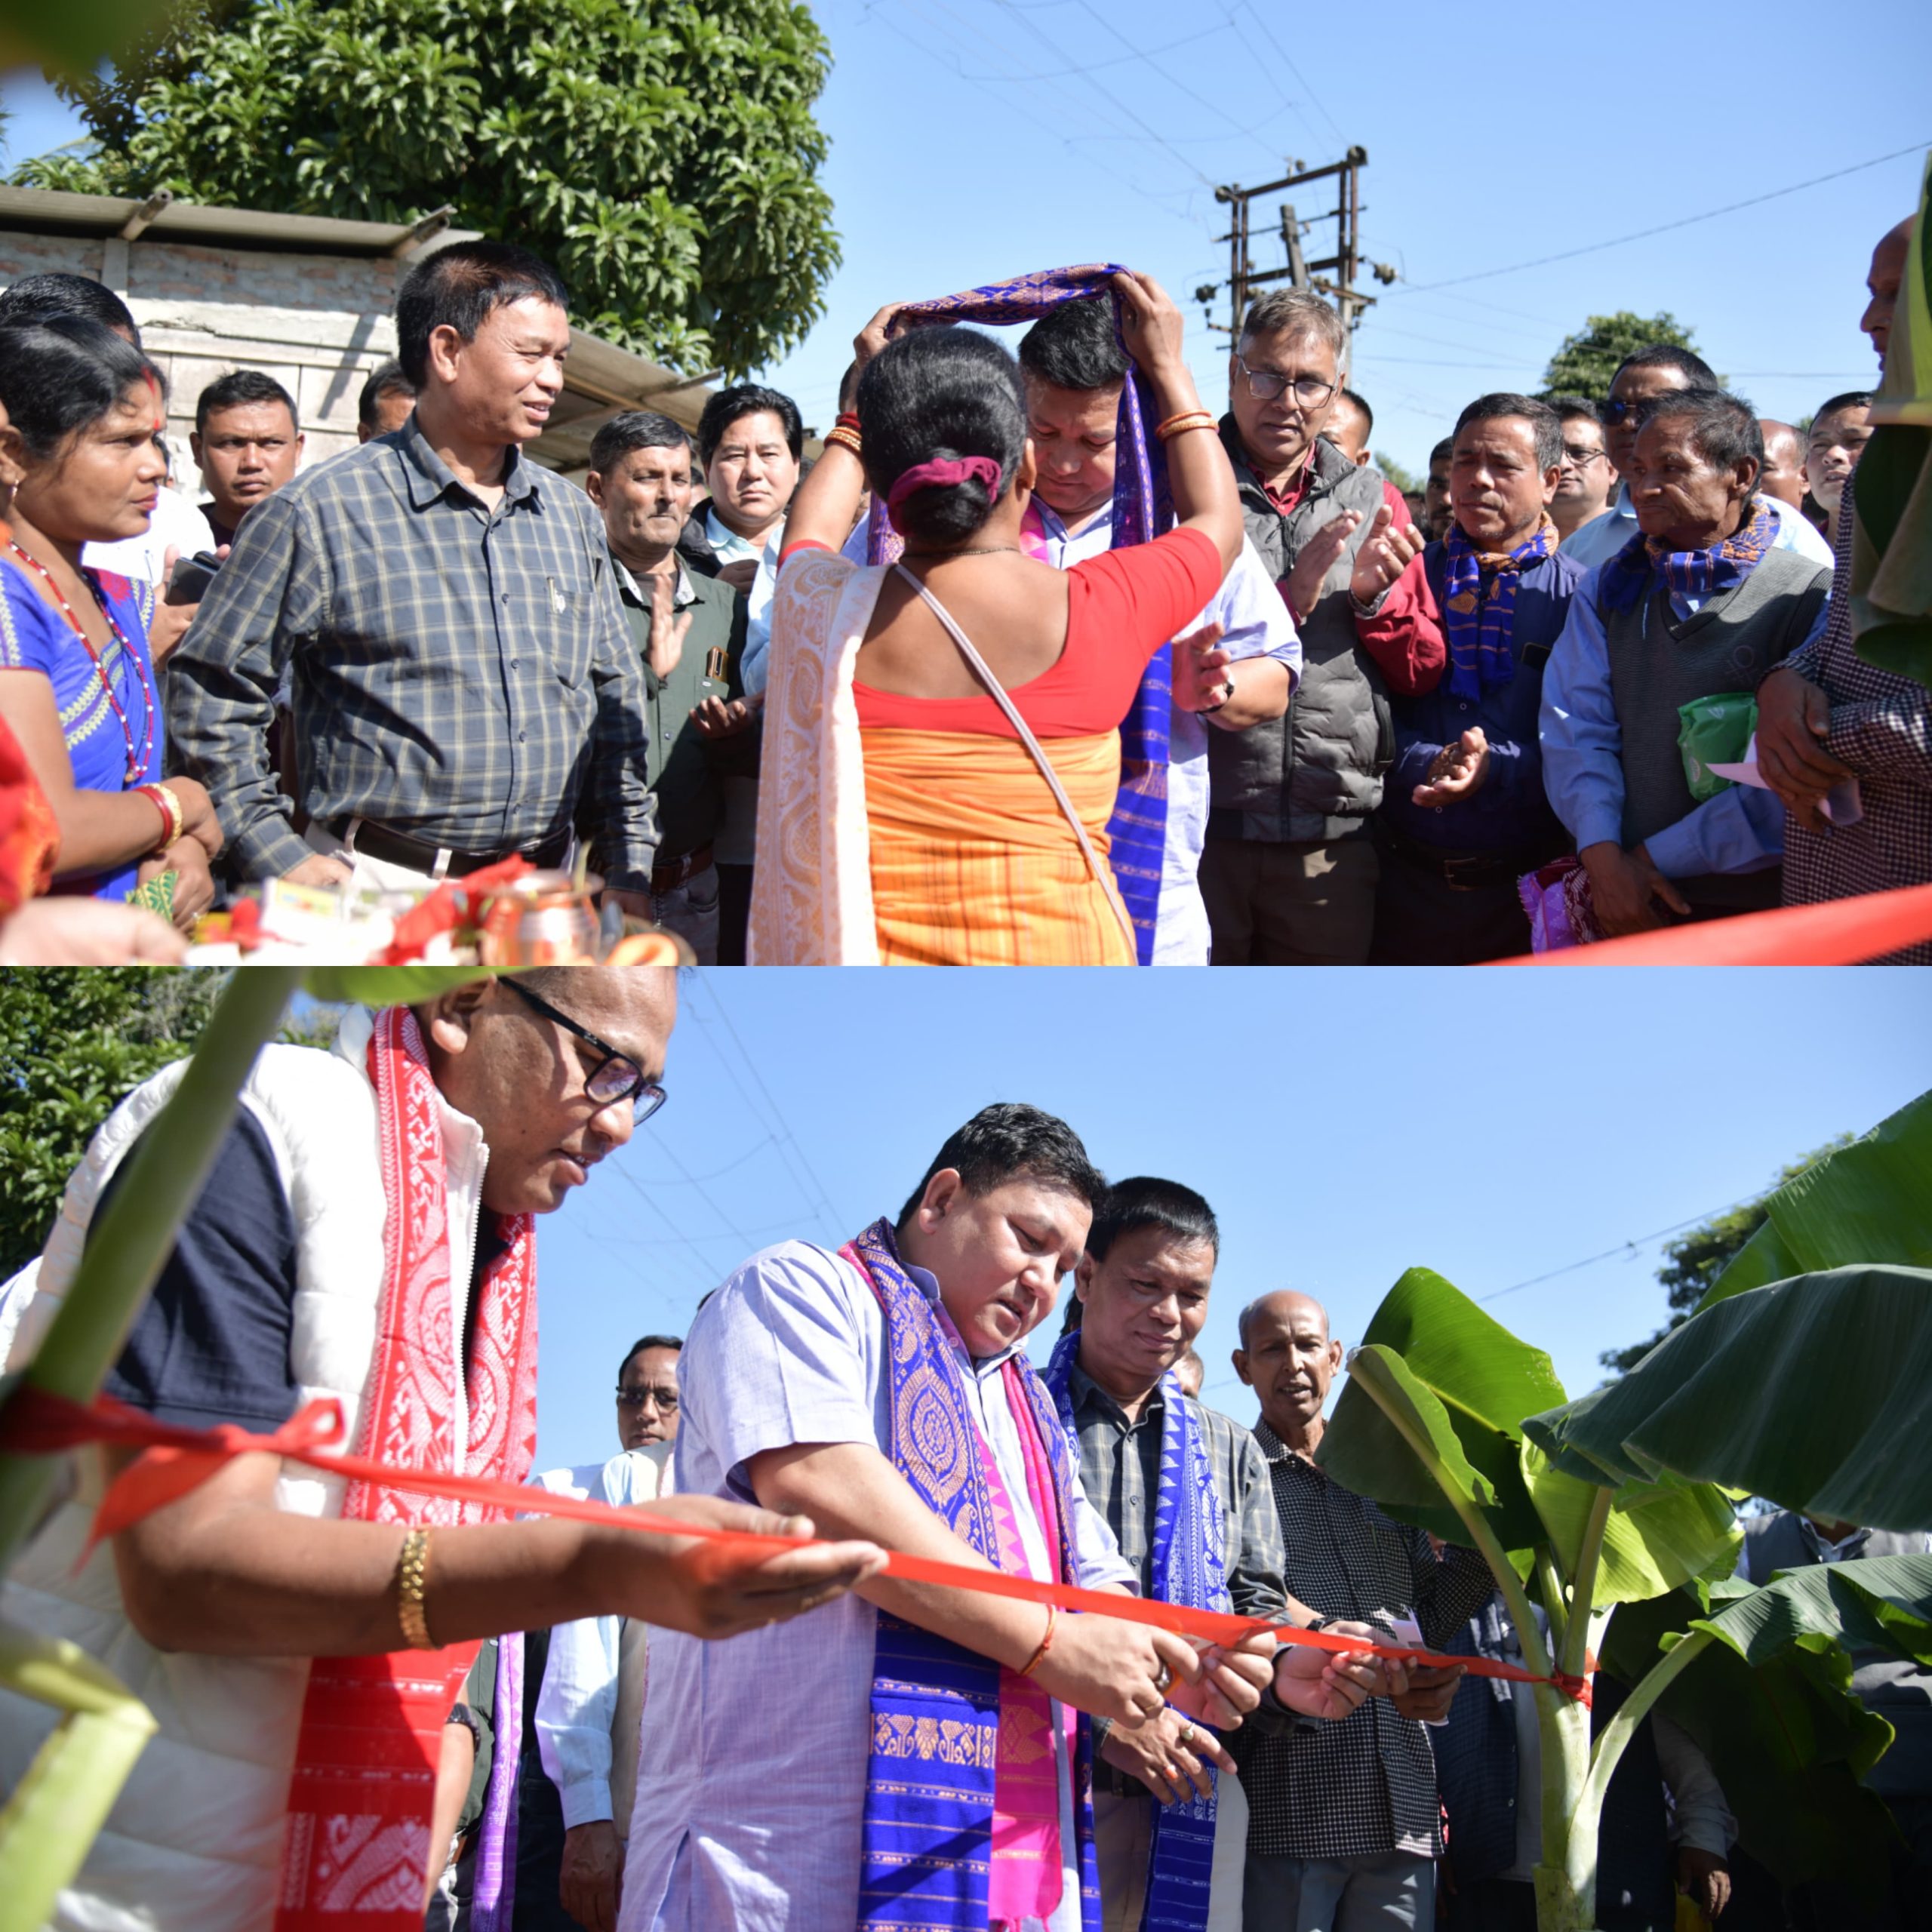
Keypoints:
pixel 983 672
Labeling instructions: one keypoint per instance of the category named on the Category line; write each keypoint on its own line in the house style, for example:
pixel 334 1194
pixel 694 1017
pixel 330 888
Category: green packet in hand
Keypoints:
pixel 1713 731
pixel 157 896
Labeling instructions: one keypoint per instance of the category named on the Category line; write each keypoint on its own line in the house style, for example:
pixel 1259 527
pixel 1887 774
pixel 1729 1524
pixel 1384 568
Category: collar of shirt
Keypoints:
pixel 978 1367
pixel 733 549
pixel 1092 539
pixel 632 584
pixel 1275 1451
pixel 1084 1389
pixel 1825 1549
pixel 429 478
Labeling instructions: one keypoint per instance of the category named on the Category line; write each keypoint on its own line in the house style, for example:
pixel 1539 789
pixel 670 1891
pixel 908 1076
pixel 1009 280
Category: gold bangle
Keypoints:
pixel 411 1569
pixel 1188 418
pixel 846 439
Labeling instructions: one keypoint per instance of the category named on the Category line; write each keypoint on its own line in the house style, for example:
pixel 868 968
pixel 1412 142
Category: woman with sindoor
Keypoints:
pixel 77 683
pixel 942 746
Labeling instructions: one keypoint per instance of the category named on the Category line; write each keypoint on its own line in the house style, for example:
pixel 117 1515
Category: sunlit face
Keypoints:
pixel 1585 481
pixel 1681 497
pixel 1783 474
pixel 1073 446
pixel 1347 430
pixel 1289 1360
pixel 1882 283
pixel 647 1398
pixel 102 483
pixel 1497 488
pixel 999 1256
pixel 645 496
pixel 392 411
pixel 504 385
pixel 1436 496
pixel 1278 432
pixel 1836 441
pixel 1141 1304
pixel 1635 385
pixel 247 452
pixel 752 475
pixel 521 1077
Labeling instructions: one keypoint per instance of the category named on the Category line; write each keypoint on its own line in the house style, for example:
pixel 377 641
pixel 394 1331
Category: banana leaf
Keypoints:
pixel 386 986
pixel 1802 1392
pixel 1658 1536
pixel 1881 1602
pixel 1484 1378
pixel 1787 1738
pixel 1870 1201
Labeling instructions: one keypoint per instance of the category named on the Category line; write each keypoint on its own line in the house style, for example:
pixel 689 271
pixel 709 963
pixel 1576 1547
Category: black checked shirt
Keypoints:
pixel 1366 1785
pixel 460 673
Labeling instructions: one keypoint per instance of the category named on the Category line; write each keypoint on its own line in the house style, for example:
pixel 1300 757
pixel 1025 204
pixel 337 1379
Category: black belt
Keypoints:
pixel 1461 871
pixel 417 855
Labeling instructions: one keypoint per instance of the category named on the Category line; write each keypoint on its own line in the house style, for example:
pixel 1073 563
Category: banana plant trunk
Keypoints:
pixel 1566 1878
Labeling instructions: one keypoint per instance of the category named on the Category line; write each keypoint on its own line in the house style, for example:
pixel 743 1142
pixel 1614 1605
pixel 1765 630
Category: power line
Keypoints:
pixel 1664 228
pixel 707 1270
pixel 1288 59
pixel 1118 60
pixel 1624 1248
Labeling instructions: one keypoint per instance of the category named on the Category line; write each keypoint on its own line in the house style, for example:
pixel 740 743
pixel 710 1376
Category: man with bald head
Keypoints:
pixel 1826 719
pixel 1345 1824
pixel 1782 475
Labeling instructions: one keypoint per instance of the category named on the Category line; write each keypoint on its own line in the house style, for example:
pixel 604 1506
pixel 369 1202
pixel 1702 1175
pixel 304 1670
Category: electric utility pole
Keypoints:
pixel 1334 275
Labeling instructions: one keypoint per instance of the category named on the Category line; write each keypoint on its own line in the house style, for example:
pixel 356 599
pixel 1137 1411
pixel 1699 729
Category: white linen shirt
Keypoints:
pixel 577 1706
pixel 730 548
pixel 751 1785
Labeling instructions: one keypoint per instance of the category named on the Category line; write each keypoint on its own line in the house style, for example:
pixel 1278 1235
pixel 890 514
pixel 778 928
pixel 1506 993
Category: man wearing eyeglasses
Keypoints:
pixel 592 1671
pixel 1289 871
pixel 368 1234
pixel 1663 369
pixel 1583 489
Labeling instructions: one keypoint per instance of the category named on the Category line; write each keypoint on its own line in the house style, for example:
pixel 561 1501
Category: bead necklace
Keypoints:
pixel 137 761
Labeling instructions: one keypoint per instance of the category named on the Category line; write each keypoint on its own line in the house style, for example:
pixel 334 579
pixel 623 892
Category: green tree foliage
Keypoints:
pixel 72 1044
pixel 1585 363
pixel 1694 1260
pixel 662 153
pixel 1404 480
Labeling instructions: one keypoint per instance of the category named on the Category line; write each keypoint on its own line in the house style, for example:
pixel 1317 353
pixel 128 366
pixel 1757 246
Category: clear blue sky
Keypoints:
pixel 1493 1126
pixel 973 139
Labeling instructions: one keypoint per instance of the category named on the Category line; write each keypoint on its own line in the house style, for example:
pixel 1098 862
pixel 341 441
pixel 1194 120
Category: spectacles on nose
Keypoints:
pixel 1265 384
pixel 633 1400
pixel 1582 459
pixel 617 1077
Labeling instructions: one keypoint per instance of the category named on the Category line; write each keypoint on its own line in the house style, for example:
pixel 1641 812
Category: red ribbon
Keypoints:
pixel 176 1460
pixel 1842 932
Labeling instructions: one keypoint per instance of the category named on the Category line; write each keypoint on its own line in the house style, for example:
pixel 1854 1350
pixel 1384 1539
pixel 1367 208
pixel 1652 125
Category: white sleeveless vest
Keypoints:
pixel 194 1844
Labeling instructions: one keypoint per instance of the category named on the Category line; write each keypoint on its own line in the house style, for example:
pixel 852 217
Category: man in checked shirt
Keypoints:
pixel 461 683
pixel 1141 1297
pixel 1345 1825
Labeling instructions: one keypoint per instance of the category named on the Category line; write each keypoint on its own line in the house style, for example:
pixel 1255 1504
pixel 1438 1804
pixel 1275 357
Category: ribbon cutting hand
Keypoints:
pixel 1169 1754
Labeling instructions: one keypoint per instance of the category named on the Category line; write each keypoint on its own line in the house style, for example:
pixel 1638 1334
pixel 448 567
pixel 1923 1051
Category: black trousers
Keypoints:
pixel 734 912
pixel 1422 920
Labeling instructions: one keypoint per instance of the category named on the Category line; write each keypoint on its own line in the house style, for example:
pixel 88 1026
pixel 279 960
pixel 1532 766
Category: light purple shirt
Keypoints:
pixel 751 1772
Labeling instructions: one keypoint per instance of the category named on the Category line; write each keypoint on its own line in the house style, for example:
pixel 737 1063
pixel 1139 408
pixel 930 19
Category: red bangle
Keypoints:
pixel 848 419
pixel 1046 1643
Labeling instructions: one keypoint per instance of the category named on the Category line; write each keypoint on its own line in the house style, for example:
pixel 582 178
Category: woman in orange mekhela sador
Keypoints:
pixel 922 801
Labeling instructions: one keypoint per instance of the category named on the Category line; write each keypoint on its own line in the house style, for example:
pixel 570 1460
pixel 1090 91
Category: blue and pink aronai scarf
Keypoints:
pixel 1479 634
pixel 1138 829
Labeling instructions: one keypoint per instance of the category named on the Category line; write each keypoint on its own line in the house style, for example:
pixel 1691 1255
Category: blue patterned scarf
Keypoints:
pixel 1698 573
pixel 1188 1559
pixel 1480 634
pixel 927 1832
pixel 1138 829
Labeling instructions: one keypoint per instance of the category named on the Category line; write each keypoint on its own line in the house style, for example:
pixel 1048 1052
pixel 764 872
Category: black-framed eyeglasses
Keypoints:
pixel 1581 458
pixel 632 1401
pixel 1265 384
pixel 617 1077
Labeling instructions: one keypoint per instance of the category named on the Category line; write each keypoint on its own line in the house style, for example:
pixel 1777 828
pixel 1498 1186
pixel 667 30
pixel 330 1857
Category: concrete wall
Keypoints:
pixel 318 324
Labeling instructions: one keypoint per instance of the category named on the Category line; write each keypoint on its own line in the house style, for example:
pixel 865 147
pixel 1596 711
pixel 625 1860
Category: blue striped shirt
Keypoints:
pixel 460 673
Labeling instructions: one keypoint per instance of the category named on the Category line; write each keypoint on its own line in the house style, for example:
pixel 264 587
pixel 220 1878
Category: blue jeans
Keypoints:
pixel 1378 1893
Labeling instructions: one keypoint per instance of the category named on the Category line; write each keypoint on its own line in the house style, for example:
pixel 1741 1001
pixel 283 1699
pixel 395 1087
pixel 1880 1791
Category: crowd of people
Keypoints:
pixel 1266 709
pixel 560 1739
